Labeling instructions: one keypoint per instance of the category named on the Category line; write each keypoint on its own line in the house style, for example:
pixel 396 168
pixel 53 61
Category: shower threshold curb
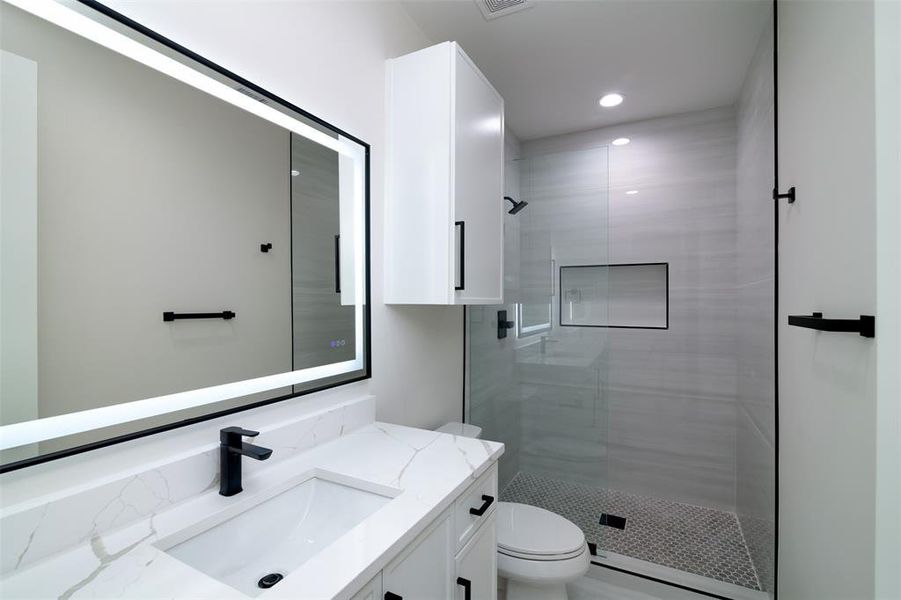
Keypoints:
pixel 665 574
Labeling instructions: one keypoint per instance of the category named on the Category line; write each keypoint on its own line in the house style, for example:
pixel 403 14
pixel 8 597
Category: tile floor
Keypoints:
pixel 690 538
pixel 604 584
pixel 611 585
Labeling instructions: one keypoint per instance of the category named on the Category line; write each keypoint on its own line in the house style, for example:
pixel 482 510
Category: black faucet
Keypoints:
pixel 231 448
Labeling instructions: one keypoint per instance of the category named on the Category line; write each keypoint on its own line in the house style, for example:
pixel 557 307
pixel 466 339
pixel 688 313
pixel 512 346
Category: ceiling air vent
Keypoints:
pixel 492 9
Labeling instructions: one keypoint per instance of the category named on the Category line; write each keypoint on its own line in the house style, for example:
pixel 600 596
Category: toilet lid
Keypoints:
pixel 532 531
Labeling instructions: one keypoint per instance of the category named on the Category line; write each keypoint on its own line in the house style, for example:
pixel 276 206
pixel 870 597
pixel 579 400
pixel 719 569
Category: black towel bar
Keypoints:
pixel 172 316
pixel 865 325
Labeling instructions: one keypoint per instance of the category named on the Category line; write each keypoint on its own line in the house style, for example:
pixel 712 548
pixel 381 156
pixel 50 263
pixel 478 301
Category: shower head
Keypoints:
pixel 517 206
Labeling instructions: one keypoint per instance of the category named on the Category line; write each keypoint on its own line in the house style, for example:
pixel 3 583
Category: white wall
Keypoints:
pixel 888 299
pixel 328 58
pixel 827 262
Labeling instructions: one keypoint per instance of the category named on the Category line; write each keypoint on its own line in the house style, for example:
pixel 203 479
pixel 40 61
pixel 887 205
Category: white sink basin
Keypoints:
pixel 276 533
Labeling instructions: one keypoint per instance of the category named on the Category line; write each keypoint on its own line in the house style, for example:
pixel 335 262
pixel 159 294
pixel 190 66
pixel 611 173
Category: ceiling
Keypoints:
pixel 553 61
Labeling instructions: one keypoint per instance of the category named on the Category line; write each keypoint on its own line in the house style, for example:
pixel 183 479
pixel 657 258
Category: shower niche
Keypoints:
pixel 632 296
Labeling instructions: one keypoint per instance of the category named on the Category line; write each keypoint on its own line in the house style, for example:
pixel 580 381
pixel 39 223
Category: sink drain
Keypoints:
pixel 267 581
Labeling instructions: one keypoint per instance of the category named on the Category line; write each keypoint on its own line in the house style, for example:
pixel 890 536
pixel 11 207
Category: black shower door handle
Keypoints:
pixel 467 587
pixel 462 255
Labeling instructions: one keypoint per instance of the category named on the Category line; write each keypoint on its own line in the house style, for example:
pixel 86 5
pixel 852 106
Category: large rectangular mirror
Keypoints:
pixel 175 242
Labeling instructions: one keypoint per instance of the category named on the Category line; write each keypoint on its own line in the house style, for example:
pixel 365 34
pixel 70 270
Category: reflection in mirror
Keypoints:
pixel 533 318
pixel 322 234
pixel 127 194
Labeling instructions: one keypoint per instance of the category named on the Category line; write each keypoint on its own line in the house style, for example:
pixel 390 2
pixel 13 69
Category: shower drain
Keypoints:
pixel 613 521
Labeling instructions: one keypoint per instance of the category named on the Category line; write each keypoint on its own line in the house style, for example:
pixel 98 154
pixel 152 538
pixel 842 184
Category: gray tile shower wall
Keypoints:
pixel 669 396
pixel 755 288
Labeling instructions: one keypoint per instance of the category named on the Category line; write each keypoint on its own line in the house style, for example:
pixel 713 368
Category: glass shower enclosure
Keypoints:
pixel 620 387
pixel 540 386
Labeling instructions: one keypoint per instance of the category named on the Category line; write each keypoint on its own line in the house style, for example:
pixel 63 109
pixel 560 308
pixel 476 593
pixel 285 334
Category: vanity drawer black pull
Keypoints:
pixel 486 502
pixel 393 596
pixel 467 587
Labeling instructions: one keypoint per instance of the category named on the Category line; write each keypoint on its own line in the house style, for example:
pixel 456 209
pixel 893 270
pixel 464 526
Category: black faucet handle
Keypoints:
pixel 232 435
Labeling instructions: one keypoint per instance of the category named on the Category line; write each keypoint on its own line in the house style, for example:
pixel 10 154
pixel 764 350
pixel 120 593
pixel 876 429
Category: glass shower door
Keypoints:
pixel 540 386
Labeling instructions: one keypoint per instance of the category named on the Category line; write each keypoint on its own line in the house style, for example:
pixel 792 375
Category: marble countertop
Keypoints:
pixel 431 469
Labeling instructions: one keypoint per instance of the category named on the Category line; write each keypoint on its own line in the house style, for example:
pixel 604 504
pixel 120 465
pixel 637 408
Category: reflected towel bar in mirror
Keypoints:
pixel 865 325
pixel 173 316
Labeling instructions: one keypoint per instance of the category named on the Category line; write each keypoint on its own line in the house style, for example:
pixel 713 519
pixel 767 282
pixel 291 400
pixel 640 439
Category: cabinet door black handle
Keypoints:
pixel 338 263
pixel 486 502
pixel 467 587
pixel 393 596
pixel 462 225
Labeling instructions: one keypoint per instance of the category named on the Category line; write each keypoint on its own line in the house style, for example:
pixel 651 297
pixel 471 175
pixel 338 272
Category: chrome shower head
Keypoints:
pixel 517 206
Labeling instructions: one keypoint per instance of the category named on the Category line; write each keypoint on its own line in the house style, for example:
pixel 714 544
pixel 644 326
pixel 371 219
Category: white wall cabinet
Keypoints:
pixel 445 181
pixel 442 564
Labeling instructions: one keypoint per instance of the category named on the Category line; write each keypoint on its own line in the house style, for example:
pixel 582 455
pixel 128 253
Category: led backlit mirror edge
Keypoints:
pixel 20 434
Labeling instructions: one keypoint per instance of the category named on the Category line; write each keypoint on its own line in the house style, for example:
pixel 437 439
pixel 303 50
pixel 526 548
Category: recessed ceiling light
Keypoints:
pixel 294 172
pixel 632 192
pixel 621 141
pixel 611 100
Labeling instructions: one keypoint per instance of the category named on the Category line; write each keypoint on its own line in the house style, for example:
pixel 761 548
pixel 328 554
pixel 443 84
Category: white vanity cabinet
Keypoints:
pixel 477 564
pixel 370 591
pixel 440 564
pixel 425 569
pixel 445 181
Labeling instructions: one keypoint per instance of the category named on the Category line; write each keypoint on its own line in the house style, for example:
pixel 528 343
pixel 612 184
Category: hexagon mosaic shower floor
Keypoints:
pixel 690 538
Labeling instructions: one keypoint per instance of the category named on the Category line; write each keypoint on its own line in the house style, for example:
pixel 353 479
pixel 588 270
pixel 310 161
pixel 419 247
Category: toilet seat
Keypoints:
pixel 533 533
pixel 540 557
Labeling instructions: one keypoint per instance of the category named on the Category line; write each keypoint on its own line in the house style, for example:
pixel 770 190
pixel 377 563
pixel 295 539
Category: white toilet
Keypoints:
pixel 538 552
